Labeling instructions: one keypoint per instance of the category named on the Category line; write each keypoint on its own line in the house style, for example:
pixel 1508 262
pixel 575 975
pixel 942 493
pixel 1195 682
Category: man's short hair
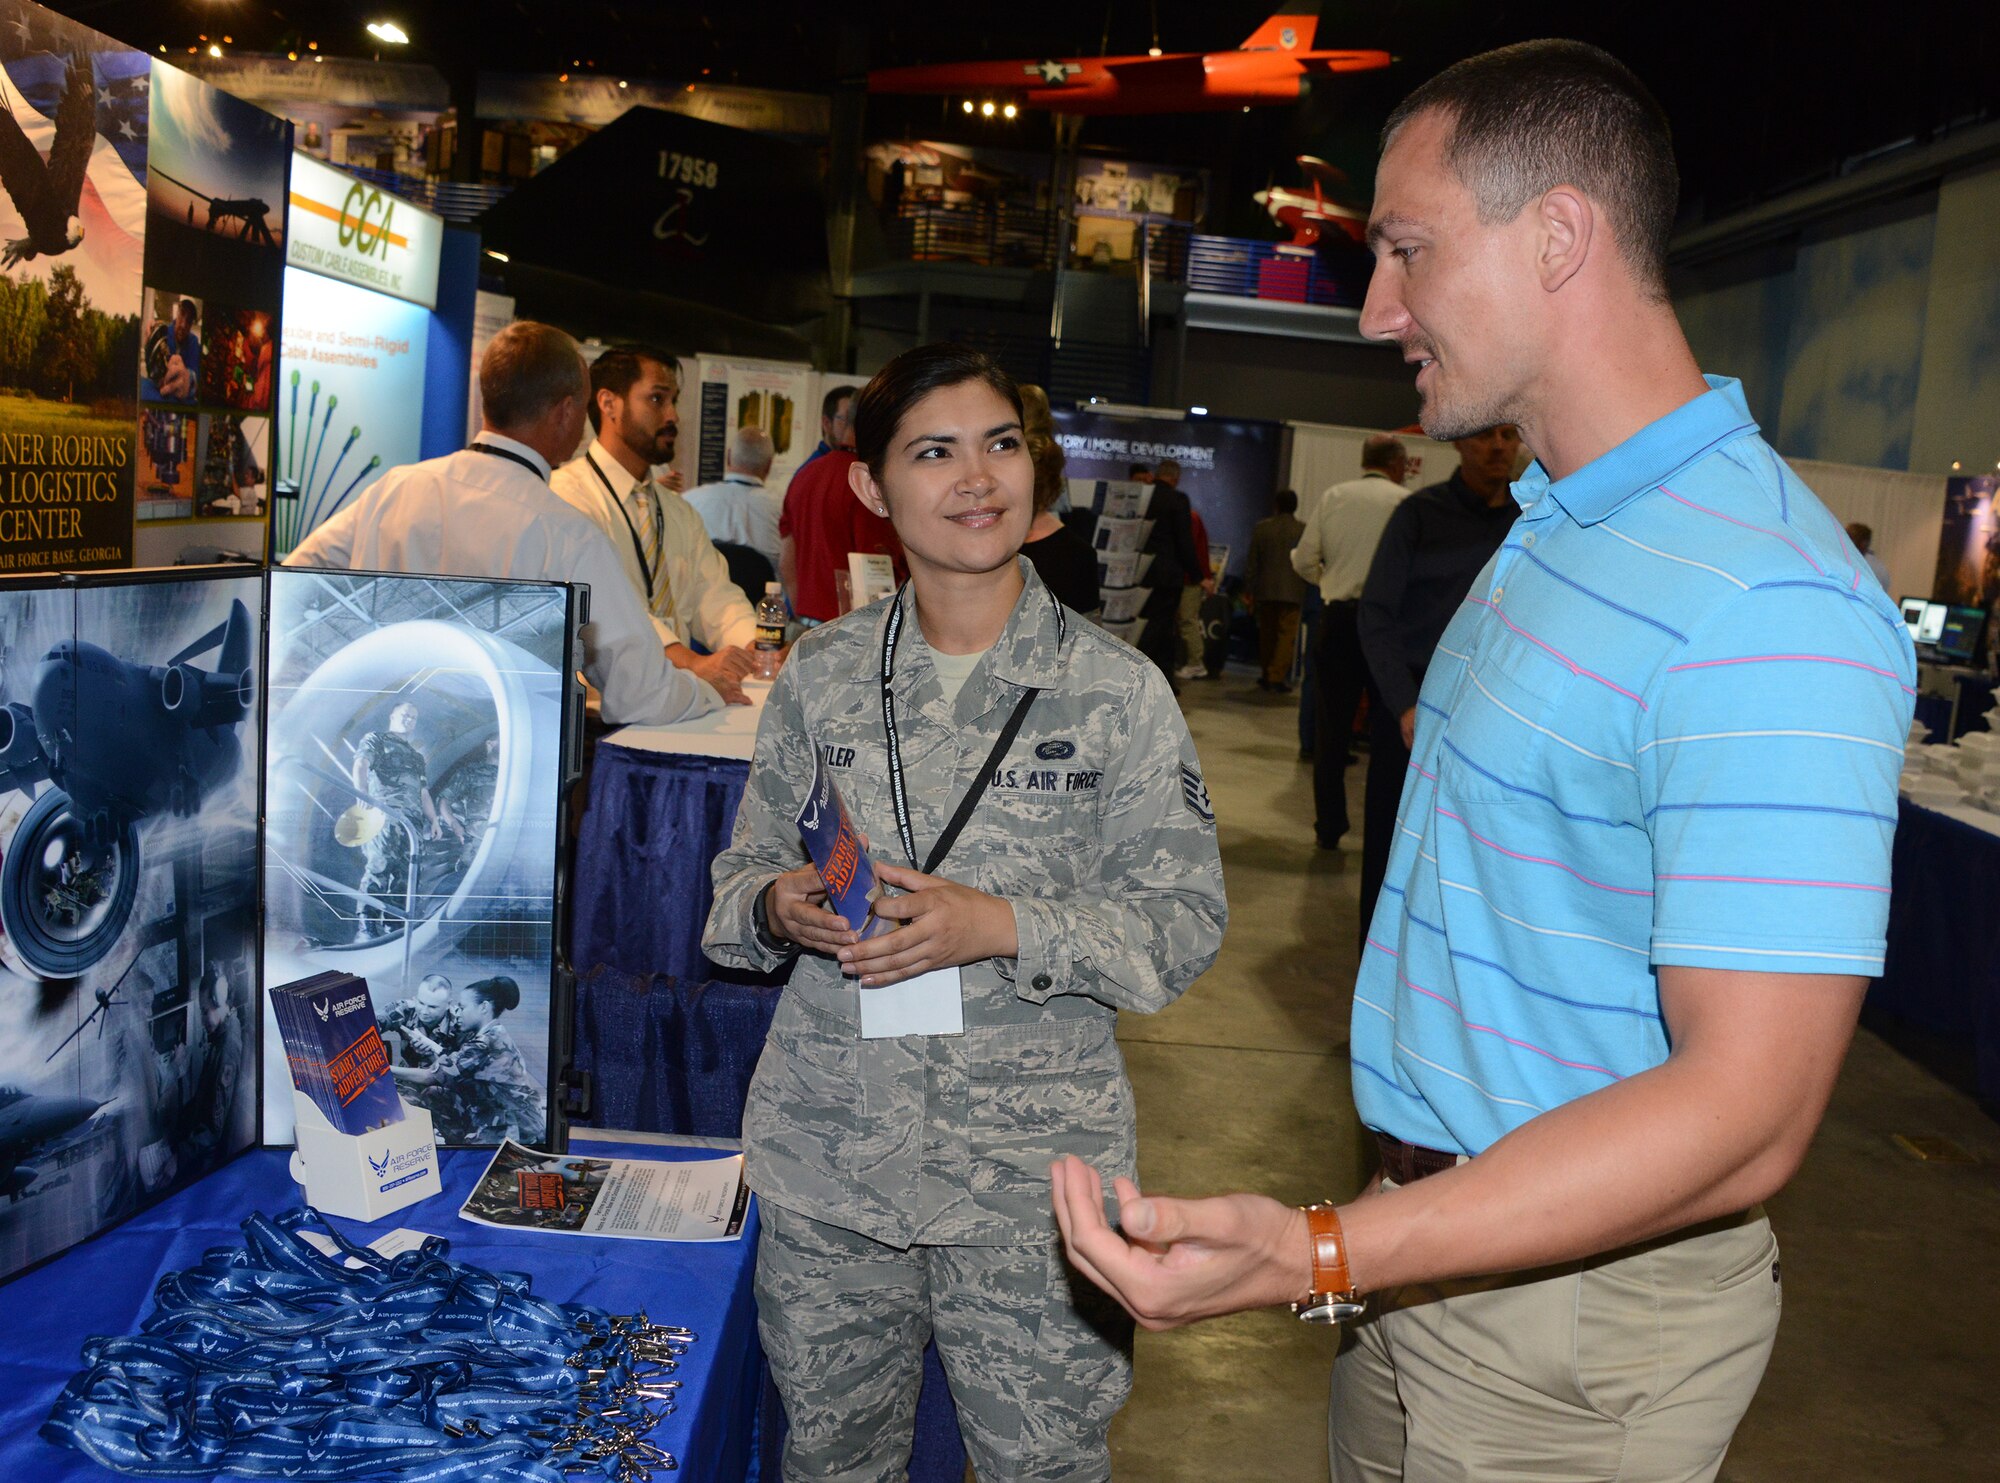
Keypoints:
pixel 830 403
pixel 750 450
pixel 1382 449
pixel 1530 117
pixel 1287 501
pixel 1167 471
pixel 1133 471
pixel 189 305
pixel 527 369
pixel 616 370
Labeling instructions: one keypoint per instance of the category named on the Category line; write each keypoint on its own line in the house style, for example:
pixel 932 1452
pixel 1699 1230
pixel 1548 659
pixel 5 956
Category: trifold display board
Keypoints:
pixel 397 752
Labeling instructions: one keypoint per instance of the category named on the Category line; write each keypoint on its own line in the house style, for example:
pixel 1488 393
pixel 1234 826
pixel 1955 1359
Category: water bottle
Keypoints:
pixel 770 640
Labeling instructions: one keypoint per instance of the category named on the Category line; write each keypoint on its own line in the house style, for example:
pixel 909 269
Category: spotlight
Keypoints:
pixel 499 257
pixel 622 84
pixel 1152 51
pixel 562 77
pixel 1009 111
pixel 312 46
pixel 1197 411
pixel 968 105
pixel 986 109
pixel 214 50
pixel 291 56
pixel 389 32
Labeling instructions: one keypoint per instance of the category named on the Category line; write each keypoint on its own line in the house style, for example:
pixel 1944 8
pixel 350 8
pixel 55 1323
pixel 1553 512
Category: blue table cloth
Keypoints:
pixel 1942 973
pixel 652 824
pixel 106 1285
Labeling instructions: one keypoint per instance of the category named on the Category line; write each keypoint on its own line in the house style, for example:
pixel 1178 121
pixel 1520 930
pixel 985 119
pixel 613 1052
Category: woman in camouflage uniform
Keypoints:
pixel 481 1090
pixel 903 1179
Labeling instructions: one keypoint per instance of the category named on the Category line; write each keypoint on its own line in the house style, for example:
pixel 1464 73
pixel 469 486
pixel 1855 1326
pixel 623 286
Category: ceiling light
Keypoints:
pixel 622 83
pixel 1152 51
pixel 229 41
pixel 968 105
pixel 291 56
pixel 1010 110
pixel 500 257
pixel 986 108
pixel 562 77
pixel 312 46
pixel 390 32
pixel 319 59
pixel 214 50
pixel 1197 411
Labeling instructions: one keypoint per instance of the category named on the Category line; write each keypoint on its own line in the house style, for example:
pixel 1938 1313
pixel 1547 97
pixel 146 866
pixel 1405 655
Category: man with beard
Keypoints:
pixel 661 541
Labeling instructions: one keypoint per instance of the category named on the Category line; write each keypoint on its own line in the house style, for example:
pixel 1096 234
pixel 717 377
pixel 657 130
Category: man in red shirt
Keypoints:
pixel 822 522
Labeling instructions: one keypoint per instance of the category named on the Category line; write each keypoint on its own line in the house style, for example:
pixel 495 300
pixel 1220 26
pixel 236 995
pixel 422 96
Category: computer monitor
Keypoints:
pixel 1914 609
pixel 1959 634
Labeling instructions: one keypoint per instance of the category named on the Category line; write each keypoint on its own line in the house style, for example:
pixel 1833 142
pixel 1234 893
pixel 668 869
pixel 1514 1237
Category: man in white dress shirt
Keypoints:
pixel 661 543
pixel 738 508
pixel 1335 551
pixel 487 512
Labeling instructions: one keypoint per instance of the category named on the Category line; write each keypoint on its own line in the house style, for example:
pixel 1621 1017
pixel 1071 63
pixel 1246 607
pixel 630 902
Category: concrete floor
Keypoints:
pixel 1888 1361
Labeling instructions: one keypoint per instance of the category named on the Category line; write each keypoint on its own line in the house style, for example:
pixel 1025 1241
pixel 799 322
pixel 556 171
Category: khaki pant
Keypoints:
pixel 1634 1367
pixel 1193 640
pixel 1277 639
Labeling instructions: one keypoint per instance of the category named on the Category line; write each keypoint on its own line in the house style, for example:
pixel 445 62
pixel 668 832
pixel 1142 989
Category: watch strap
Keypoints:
pixel 1331 1298
pixel 760 925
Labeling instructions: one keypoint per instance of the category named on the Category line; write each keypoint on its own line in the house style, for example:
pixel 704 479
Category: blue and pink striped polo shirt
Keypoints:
pixel 1665 728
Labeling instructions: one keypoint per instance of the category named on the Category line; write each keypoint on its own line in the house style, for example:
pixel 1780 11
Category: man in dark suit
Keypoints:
pixel 1174 557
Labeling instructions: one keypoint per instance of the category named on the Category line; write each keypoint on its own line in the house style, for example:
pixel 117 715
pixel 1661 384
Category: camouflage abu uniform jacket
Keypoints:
pixel 1096 827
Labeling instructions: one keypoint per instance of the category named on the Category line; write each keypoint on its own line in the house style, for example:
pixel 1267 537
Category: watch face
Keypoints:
pixel 1326 1307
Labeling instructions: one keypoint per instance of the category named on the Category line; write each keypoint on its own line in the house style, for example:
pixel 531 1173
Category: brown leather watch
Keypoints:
pixel 1332 1298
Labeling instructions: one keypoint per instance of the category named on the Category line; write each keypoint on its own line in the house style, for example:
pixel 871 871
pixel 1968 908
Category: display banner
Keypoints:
pixel 1968 568
pixel 128 895
pixel 772 394
pixel 413 785
pixel 665 204
pixel 1229 467
pixel 207 357
pixel 360 234
pixel 72 228
pixel 348 409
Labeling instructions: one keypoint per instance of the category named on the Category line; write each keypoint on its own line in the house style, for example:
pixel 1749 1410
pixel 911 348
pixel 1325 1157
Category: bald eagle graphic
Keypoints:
pixel 46 192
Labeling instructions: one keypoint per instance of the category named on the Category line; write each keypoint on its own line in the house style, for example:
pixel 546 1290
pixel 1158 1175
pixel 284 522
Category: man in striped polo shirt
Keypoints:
pixel 1641 869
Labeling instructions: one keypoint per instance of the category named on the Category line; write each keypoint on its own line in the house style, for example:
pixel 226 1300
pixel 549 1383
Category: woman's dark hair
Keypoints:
pixel 499 991
pixel 911 377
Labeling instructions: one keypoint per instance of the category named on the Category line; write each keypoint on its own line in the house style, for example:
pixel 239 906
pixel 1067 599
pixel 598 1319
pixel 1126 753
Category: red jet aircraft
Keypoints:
pixel 1272 66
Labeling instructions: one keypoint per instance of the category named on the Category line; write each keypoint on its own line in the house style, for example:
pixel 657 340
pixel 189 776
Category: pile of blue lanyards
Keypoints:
pixel 273 1361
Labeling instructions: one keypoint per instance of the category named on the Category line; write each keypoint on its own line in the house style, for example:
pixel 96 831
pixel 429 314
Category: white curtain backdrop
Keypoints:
pixel 1324 455
pixel 1906 512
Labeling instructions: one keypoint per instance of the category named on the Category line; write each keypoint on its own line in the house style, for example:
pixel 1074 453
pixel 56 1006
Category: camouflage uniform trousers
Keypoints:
pixel 1039 1361
pixel 387 877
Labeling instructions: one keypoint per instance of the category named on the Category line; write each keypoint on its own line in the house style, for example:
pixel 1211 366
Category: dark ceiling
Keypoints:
pixel 1763 96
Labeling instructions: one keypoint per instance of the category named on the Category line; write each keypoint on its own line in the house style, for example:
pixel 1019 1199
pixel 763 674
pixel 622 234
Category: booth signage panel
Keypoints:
pixel 1229 466
pixel 348 229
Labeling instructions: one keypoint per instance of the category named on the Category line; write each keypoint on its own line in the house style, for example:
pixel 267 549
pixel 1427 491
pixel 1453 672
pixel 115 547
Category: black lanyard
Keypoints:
pixel 511 457
pixel 897 796
pixel 638 546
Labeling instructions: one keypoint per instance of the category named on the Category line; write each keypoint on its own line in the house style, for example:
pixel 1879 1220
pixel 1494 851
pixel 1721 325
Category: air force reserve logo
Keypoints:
pixel 1195 791
pixel 1055 751
pixel 1288 38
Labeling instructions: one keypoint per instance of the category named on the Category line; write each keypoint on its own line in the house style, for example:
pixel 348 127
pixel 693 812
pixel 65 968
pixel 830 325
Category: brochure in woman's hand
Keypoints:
pixel 837 853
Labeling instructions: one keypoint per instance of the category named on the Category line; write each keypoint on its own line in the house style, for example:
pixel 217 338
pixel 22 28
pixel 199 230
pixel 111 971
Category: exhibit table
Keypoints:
pixel 662 801
pixel 105 1286
pixel 1942 974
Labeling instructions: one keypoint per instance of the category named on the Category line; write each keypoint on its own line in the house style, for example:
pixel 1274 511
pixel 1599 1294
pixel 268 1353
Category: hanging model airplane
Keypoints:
pixel 1271 66
pixel 1307 217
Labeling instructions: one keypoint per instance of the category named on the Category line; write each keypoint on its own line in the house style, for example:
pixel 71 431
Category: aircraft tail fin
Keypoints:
pixel 1290 28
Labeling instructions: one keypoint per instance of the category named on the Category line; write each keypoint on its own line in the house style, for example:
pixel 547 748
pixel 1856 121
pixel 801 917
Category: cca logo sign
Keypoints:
pixel 358 229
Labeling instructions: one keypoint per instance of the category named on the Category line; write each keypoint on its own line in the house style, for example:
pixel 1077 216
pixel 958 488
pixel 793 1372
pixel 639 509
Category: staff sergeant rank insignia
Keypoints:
pixel 1196 792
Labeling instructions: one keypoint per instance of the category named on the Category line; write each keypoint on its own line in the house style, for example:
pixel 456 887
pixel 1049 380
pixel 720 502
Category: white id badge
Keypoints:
pixel 930 1004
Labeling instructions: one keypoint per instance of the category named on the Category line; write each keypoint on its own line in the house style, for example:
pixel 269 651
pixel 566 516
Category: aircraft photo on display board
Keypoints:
pixel 215 192
pixel 73 129
pixel 413 787
pixel 128 847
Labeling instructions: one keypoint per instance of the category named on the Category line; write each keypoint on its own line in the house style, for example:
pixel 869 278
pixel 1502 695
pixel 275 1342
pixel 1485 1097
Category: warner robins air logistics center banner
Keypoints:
pixel 140 216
